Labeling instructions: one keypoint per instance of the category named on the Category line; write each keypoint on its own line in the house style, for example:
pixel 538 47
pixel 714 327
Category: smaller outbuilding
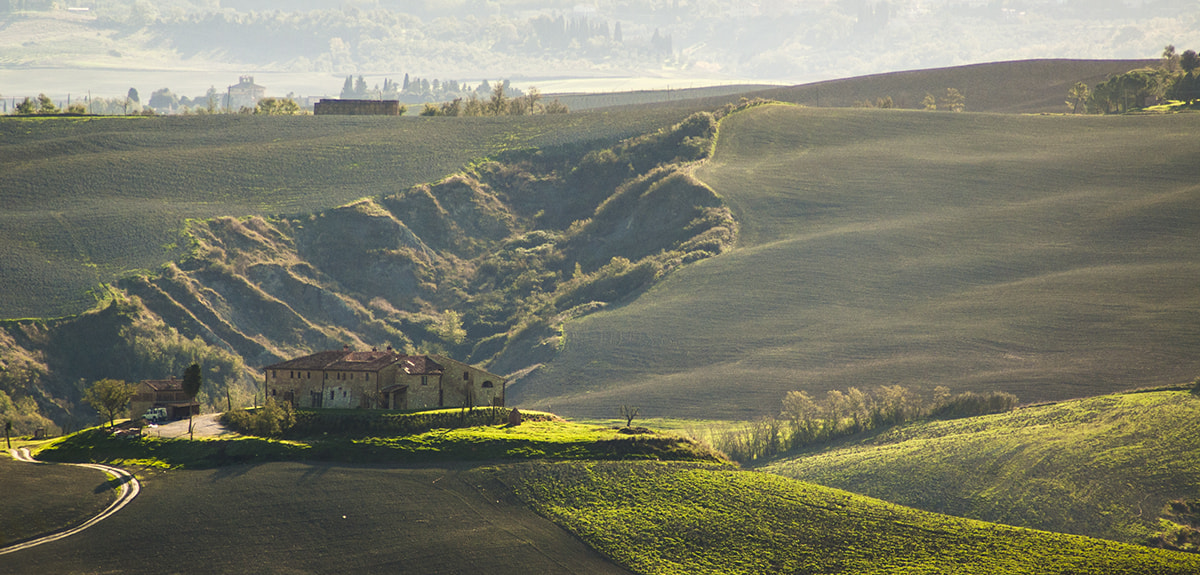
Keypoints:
pixel 165 393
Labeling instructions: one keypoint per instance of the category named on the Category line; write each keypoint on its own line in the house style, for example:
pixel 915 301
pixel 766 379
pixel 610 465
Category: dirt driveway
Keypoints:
pixel 204 425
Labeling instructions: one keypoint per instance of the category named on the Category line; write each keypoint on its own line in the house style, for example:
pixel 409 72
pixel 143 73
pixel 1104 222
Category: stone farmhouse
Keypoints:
pixel 381 380
pixel 166 393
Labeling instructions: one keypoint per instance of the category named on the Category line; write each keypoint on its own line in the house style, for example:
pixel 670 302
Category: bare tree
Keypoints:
pixel 628 412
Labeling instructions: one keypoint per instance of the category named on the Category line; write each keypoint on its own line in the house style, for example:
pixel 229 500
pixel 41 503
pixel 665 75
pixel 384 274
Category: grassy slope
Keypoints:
pixel 88 199
pixel 1051 257
pixel 1104 466
pixel 308 518
pixel 530 440
pixel 680 518
pixel 40 499
pixel 1023 86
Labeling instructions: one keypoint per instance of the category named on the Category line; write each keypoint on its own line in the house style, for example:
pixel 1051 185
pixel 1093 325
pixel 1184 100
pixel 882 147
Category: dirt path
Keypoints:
pixel 129 488
pixel 208 425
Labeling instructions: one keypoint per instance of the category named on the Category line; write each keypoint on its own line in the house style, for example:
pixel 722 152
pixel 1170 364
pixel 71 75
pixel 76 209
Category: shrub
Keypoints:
pixel 271 420
pixel 970 403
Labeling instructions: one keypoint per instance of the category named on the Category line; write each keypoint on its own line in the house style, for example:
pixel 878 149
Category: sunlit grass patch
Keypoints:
pixel 692 518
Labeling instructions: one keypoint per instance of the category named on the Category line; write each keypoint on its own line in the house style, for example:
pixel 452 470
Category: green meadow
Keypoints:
pixel 1105 466
pixel 1047 256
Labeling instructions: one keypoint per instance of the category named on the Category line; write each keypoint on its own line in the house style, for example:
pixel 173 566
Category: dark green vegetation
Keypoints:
pixel 1107 466
pixel 689 519
pixel 40 499
pixel 315 518
pixel 323 438
pixel 1045 256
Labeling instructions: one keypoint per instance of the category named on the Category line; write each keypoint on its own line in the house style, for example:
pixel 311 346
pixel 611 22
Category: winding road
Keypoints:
pixel 129 488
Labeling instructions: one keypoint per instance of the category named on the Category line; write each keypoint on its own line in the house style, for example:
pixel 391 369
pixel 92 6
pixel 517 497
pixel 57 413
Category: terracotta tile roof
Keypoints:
pixel 345 360
pixel 164 384
pixel 365 361
pixel 420 365
pixel 316 361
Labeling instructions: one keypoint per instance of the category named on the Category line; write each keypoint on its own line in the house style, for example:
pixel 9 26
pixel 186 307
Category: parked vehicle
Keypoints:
pixel 155 415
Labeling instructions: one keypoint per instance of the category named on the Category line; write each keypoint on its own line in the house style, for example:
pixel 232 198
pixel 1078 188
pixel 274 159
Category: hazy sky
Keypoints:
pixel 307 47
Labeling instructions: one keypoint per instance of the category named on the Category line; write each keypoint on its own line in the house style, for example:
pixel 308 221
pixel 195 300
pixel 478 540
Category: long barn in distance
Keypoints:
pixel 336 107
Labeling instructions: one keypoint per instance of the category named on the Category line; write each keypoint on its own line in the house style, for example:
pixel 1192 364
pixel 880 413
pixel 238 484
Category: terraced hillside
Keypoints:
pixel 1051 257
pixel 1122 467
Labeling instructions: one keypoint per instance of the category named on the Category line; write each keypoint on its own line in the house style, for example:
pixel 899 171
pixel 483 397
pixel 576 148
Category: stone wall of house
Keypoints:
pixel 363 389
pixel 281 383
pixel 461 382
pixel 357 107
pixel 423 390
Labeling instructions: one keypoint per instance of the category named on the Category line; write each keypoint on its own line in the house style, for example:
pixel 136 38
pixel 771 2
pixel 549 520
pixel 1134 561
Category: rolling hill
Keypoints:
pixel 1107 466
pixel 88 200
pixel 1047 256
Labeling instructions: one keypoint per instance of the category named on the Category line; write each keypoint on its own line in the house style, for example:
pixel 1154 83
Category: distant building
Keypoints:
pixel 381 380
pixel 357 107
pixel 244 94
pixel 167 393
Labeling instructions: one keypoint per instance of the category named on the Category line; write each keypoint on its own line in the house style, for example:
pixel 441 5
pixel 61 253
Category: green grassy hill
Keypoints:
pixel 1047 256
pixel 660 518
pixel 89 199
pixel 1105 466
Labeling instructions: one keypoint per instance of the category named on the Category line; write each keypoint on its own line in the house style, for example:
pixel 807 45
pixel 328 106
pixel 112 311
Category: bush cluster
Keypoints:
pixel 271 420
pixel 805 421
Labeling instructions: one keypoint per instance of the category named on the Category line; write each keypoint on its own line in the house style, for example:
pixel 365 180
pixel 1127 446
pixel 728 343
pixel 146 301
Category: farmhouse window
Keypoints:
pixel 424 380
pixel 309 374
pixel 487 384
pixel 273 376
pixel 331 394
pixel 466 375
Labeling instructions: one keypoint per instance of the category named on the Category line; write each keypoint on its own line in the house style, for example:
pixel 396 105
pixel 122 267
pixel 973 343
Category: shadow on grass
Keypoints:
pixel 113 484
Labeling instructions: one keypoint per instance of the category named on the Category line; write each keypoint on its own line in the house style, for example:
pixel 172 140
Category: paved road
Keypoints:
pixel 203 425
pixel 129 489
